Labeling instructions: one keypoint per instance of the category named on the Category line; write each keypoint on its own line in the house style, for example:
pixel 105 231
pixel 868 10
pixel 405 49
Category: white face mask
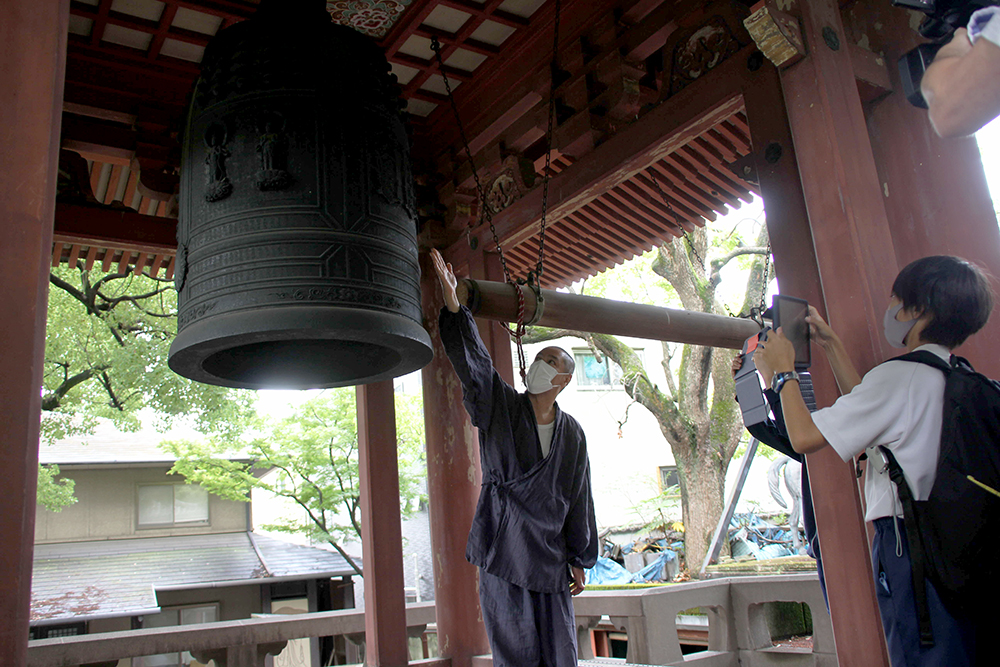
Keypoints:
pixel 895 331
pixel 540 376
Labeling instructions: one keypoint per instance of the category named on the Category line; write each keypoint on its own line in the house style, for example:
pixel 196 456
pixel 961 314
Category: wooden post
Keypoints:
pixel 381 533
pixel 453 479
pixel 934 189
pixel 839 513
pixel 33 52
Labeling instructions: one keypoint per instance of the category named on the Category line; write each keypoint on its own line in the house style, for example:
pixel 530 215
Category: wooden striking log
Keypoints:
pixel 498 301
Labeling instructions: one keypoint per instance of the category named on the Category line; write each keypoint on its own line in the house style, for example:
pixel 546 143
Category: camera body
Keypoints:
pixel 942 18
pixel 788 313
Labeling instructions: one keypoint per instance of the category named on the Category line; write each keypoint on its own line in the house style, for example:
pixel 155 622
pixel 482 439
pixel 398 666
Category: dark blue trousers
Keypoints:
pixel 526 628
pixel 954 640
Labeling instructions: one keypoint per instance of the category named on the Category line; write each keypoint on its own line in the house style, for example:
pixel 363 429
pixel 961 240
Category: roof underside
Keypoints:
pixel 684 190
pixel 131 64
pixel 108 578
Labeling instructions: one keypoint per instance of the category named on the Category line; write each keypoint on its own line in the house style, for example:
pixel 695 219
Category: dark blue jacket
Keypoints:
pixel 535 515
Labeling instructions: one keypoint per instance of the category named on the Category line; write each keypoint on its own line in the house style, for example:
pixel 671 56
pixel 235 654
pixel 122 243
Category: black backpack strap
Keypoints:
pixel 918 567
pixel 931 359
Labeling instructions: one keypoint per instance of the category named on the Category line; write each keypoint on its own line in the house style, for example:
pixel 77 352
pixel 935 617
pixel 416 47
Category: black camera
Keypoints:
pixel 788 313
pixel 943 18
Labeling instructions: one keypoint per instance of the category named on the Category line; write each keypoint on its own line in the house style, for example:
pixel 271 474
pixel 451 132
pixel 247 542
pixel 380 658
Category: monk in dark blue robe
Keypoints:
pixel 534 530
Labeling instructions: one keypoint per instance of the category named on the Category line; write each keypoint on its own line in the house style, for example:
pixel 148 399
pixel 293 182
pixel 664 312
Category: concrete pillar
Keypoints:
pixel 33 52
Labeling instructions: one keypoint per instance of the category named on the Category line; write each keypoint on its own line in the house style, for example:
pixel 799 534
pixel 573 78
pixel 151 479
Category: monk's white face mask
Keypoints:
pixel 540 376
pixel 895 331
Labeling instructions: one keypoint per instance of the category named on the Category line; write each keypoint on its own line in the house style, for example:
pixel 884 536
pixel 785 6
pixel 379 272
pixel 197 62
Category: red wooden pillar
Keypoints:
pixel 934 189
pixel 486 266
pixel 33 53
pixel 453 479
pixel 381 534
pixel 839 512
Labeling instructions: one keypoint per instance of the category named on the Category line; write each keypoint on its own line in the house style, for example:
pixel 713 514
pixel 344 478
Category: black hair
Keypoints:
pixel 955 292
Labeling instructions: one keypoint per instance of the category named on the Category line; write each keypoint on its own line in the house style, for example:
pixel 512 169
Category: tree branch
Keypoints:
pixel 54 399
pixel 719 263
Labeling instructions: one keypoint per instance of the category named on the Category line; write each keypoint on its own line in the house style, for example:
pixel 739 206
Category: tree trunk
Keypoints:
pixel 702 501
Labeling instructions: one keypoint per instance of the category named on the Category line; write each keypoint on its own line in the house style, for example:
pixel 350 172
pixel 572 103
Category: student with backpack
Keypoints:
pixel 896 413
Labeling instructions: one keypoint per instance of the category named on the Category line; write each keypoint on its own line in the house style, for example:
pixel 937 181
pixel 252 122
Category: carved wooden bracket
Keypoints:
pixel 517 176
pixel 777 34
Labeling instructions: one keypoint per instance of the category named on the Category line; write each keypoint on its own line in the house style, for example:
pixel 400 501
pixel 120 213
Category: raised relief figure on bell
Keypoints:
pixel 217 185
pixel 271 149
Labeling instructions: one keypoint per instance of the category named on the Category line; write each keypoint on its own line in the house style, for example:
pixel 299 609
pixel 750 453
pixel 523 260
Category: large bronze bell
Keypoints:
pixel 297 255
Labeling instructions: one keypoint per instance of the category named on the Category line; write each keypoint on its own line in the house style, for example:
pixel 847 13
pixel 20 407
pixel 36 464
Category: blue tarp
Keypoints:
pixel 654 571
pixel 750 535
pixel 609 573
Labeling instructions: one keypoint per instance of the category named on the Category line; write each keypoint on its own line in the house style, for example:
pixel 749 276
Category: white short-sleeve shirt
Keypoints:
pixel 899 405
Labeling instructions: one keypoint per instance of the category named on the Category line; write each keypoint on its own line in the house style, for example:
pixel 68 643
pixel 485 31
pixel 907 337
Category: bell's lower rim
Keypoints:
pixel 299 348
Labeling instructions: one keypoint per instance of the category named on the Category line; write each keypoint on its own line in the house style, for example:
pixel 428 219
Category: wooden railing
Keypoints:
pixel 737 630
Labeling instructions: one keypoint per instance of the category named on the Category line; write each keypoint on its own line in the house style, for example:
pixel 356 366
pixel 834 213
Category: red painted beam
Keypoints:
pixel 118 228
pixel 656 135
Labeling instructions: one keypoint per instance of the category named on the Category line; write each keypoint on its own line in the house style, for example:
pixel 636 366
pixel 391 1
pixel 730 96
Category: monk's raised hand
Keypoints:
pixel 449 283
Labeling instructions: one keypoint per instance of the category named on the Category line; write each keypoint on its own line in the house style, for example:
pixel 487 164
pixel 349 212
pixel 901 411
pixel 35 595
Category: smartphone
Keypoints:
pixel 790 313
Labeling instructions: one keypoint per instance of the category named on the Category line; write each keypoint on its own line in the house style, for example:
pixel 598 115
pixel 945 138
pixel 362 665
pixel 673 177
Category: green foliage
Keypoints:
pixel 106 348
pixel 633 281
pixel 309 458
pixel 54 494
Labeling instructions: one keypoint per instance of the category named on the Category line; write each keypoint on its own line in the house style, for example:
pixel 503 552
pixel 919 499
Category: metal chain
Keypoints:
pixel 484 209
pixel 755 313
pixel 518 332
pixel 553 84
pixel 763 285
pixel 663 196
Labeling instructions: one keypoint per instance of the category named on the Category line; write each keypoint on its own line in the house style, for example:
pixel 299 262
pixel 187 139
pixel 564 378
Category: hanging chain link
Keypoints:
pixel 534 279
pixel 484 208
pixel 553 84
pixel 677 220
pixel 763 286
pixel 756 313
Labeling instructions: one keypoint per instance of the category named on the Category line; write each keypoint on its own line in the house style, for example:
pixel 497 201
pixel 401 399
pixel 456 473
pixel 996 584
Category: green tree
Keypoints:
pixel 107 339
pixel 696 412
pixel 312 459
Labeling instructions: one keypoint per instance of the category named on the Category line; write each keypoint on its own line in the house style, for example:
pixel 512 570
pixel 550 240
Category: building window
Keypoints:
pixel 52 631
pixel 669 481
pixel 172 504
pixel 594 374
pixel 170 617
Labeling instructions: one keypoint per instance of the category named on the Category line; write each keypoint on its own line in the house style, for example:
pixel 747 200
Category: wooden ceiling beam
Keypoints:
pixel 655 202
pixel 653 210
pixel 460 39
pixel 229 10
pixel 693 198
pixel 498 16
pixel 614 209
pixel 663 130
pixel 485 99
pixel 410 22
pixel 100 20
pixel 615 244
pixel 118 228
pixel 454 73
